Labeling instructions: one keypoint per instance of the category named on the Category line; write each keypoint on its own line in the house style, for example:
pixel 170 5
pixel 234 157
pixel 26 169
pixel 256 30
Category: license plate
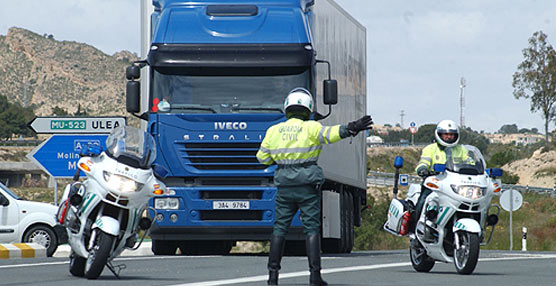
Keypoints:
pixel 230 205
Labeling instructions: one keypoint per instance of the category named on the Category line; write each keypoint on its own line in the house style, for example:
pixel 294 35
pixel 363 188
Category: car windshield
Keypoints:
pixel 465 159
pixel 223 94
pixel 9 192
pixel 131 146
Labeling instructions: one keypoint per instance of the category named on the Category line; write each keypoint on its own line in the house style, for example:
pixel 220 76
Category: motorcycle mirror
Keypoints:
pixel 398 162
pixel 159 171
pixel 495 172
pixel 439 168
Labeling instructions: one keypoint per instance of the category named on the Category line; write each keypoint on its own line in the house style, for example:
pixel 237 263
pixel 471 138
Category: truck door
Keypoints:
pixel 9 218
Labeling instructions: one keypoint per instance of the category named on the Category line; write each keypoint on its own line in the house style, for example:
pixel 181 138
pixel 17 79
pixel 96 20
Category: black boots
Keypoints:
pixel 312 244
pixel 274 258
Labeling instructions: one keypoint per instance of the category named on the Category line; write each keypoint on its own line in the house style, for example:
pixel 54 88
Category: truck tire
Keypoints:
pixel 350 222
pixel 42 235
pixel 164 247
pixel 98 255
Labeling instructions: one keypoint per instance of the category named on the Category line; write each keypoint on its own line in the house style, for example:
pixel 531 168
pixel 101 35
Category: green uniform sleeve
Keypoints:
pixel 426 158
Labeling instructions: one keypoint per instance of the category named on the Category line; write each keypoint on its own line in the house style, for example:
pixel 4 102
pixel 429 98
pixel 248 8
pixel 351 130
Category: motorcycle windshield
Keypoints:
pixel 131 146
pixel 465 159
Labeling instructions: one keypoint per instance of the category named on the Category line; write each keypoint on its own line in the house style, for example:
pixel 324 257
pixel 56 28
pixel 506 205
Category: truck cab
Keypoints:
pixel 217 74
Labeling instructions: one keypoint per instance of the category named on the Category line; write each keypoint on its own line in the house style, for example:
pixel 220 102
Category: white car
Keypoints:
pixel 27 221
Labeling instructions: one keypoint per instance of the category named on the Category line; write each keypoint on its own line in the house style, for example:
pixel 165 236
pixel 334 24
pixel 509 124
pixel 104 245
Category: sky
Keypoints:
pixel 417 51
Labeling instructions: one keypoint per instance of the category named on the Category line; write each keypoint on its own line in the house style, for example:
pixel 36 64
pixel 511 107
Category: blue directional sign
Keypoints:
pixel 58 155
pixel 404 180
pixel 412 124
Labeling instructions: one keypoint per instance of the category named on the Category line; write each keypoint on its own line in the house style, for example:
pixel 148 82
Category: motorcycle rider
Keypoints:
pixel 446 136
pixel 295 146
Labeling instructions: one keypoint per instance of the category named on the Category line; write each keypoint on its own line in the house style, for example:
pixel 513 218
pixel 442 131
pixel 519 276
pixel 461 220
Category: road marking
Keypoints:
pixel 259 278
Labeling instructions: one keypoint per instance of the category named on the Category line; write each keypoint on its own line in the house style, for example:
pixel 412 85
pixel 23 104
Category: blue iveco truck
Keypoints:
pixel 214 78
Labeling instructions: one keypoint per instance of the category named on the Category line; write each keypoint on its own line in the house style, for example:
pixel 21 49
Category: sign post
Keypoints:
pixel 413 130
pixel 511 200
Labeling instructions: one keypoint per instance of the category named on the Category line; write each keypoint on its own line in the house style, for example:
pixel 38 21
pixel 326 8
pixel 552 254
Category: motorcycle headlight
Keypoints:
pixel 166 203
pixel 469 192
pixel 121 183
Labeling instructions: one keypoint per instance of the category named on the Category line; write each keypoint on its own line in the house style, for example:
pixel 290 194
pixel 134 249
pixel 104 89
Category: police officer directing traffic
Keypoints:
pixel 295 146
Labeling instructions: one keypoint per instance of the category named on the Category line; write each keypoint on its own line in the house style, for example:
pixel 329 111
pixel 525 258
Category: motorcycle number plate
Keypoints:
pixel 230 205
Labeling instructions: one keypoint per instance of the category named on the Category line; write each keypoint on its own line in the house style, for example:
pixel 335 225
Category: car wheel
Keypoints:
pixel 42 235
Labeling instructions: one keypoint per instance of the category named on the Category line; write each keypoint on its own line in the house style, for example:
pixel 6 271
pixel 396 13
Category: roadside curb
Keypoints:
pixel 143 250
pixel 21 250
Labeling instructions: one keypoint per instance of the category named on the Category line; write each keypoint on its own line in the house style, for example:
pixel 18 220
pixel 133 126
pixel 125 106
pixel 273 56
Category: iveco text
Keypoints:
pixel 230 125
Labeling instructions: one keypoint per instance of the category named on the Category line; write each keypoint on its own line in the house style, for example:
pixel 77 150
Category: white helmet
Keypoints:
pixel 299 97
pixel 447 127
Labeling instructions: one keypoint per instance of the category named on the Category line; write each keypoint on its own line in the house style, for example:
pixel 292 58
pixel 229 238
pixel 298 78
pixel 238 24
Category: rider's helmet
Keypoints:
pixel 299 101
pixel 447 127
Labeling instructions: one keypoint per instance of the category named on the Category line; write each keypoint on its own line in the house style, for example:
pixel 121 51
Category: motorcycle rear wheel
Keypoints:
pixel 466 254
pixel 77 265
pixel 98 254
pixel 420 261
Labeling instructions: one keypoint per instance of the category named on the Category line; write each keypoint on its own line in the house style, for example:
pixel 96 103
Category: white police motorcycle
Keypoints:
pixel 455 216
pixel 104 213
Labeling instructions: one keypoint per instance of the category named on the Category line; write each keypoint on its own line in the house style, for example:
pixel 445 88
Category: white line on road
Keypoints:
pixel 259 278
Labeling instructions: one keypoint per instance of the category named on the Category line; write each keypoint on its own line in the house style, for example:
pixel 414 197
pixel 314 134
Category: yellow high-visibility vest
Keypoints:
pixel 296 142
pixel 432 154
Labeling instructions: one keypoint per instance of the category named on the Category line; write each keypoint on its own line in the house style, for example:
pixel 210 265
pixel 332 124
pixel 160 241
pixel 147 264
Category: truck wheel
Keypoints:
pixel 98 254
pixel 164 247
pixel 42 235
pixel 349 226
pixel 77 265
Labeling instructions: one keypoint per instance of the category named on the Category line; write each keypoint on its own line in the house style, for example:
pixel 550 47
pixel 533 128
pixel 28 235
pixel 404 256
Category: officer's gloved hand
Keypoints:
pixel 363 123
pixel 424 172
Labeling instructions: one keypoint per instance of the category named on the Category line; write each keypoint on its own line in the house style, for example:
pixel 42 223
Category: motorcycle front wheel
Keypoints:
pixel 419 259
pixel 466 251
pixel 98 254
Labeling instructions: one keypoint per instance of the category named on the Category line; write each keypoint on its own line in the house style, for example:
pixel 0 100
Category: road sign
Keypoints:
pixel 412 124
pixel 75 125
pixel 58 155
pixel 511 200
pixel 404 180
pixel 413 130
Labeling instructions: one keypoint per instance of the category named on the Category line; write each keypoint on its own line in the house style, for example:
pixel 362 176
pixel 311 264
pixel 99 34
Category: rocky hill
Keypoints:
pixel 539 170
pixel 61 73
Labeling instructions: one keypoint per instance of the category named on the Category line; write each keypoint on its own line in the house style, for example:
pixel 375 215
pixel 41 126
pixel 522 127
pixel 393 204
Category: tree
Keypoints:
pixel 535 78
pixel 508 129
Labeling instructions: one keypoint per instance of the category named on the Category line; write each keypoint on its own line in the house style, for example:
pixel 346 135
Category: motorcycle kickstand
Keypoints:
pixel 115 269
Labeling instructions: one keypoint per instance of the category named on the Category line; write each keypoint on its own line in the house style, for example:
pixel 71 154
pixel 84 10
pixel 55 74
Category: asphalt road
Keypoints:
pixel 359 268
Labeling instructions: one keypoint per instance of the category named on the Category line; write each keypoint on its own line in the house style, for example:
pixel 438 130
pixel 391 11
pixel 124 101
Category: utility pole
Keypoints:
pixel 461 102
pixel 402 114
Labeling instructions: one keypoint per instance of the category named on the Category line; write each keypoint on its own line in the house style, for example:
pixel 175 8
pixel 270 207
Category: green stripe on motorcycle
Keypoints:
pixel 442 216
pixel 88 202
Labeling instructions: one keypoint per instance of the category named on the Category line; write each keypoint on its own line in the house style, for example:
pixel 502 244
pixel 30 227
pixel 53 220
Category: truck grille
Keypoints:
pixel 222 156
pixel 231 215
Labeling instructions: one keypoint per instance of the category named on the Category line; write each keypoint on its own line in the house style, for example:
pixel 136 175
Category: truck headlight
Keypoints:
pixel 121 183
pixel 469 192
pixel 166 203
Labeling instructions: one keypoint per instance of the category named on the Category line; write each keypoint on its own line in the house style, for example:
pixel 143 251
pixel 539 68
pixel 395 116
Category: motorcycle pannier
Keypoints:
pixel 398 217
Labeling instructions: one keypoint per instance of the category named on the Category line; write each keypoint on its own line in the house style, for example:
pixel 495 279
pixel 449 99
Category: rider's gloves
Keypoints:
pixel 363 123
pixel 424 172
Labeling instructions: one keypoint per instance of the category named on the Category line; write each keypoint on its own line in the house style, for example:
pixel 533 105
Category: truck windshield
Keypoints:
pixel 223 94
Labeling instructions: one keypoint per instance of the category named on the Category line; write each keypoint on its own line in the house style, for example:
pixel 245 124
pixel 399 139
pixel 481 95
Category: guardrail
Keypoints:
pixel 387 179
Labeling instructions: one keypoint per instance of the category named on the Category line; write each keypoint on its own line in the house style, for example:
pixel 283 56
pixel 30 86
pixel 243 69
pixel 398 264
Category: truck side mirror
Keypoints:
pixel 330 87
pixel 132 103
pixel 132 72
